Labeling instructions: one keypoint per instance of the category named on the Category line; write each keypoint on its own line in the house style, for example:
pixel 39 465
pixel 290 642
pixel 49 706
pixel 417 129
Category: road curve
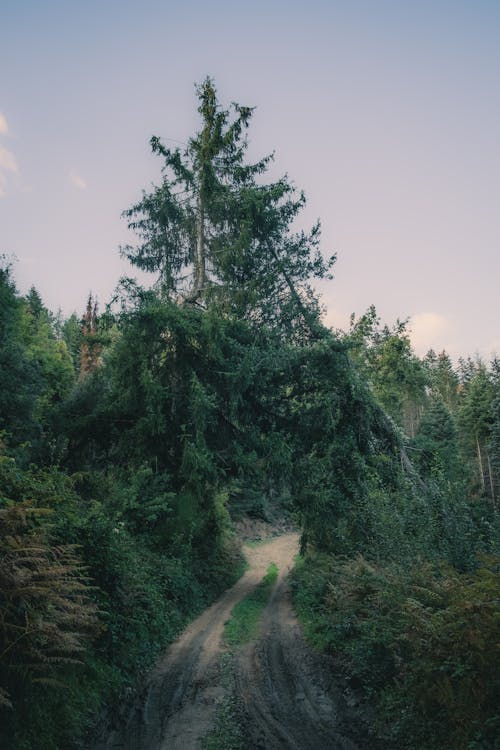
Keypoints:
pixel 287 700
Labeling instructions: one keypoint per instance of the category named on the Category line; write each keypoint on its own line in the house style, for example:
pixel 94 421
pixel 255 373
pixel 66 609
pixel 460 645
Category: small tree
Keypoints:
pixel 90 346
pixel 494 444
pixel 475 417
pixel 443 379
pixel 436 440
pixel 387 360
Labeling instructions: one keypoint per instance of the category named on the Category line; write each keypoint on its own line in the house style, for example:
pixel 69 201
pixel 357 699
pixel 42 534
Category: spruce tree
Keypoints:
pixel 475 417
pixel 444 381
pixel 214 233
pixel 494 443
pixel 436 440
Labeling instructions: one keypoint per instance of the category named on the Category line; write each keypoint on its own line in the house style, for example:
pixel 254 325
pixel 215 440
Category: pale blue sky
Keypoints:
pixel 386 113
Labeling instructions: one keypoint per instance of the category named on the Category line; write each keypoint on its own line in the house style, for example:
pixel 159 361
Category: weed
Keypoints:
pixel 245 616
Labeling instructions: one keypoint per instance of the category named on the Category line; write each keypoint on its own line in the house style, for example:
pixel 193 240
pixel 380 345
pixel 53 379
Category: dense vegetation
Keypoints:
pixel 129 439
pixel 410 608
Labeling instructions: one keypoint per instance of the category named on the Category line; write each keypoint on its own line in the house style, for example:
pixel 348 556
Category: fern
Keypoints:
pixel 46 610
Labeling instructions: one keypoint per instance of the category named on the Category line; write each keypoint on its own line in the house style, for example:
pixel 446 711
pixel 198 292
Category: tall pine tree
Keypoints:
pixel 215 234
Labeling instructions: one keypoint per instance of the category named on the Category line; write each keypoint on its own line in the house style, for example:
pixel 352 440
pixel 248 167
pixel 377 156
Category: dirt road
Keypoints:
pixel 285 698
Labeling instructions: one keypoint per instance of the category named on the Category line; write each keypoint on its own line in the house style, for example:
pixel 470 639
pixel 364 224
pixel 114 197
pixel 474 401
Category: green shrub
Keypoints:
pixel 422 644
pixel 53 544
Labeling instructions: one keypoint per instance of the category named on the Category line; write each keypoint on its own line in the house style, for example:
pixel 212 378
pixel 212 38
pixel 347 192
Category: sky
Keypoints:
pixel 387 115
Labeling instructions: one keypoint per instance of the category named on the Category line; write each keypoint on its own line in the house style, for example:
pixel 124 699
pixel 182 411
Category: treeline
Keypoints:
pixel 409 608
pixel 130 438
pixel 429 399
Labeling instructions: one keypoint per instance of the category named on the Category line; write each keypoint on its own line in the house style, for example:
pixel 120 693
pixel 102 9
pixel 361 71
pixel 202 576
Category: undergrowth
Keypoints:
pixel 86 605
pixel 420 643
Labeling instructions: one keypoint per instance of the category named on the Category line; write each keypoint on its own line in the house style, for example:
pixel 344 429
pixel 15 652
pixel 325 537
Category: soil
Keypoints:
pixel 286 694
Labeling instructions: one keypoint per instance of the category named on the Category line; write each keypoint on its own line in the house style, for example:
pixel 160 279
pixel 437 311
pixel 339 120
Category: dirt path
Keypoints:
pixel 287 703
pixel 289 697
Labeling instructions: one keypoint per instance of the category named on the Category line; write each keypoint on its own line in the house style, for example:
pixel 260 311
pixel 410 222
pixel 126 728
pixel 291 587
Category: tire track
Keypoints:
pixel 285 692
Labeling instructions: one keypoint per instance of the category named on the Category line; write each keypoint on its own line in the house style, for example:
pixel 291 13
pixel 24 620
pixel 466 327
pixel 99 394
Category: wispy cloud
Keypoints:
pixel 4 128
pixel 8 160
pixel 77 181
pixel 8 163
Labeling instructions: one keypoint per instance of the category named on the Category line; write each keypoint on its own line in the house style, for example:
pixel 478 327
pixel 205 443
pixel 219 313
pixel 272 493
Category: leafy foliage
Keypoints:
pixel 396 375
pixel 413 620
pixel 419 642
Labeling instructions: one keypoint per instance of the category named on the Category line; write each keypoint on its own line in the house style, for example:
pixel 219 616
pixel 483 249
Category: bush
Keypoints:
pixel 421 643
pixel 87 602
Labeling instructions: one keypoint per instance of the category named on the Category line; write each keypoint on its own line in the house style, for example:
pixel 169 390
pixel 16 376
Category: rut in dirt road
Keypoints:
pixel 289 699
pixel 277 680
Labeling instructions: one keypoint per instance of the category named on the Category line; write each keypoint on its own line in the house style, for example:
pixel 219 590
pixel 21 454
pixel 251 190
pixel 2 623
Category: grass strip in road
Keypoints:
pixel 244 621
pixel 227 732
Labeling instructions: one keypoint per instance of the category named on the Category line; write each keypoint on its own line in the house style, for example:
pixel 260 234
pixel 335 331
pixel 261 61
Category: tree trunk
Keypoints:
pixel 492 483
pixel 200 264
pixel 480 462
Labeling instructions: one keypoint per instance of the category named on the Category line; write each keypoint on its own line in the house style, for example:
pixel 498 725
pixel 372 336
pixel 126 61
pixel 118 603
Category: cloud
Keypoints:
pixel 8 163
pixel 8 160
pixel 429 330
pixel 4 128
pixel 77 181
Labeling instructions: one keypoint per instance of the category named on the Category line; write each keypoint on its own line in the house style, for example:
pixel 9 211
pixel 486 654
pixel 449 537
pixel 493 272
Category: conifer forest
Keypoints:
pixel 138 436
